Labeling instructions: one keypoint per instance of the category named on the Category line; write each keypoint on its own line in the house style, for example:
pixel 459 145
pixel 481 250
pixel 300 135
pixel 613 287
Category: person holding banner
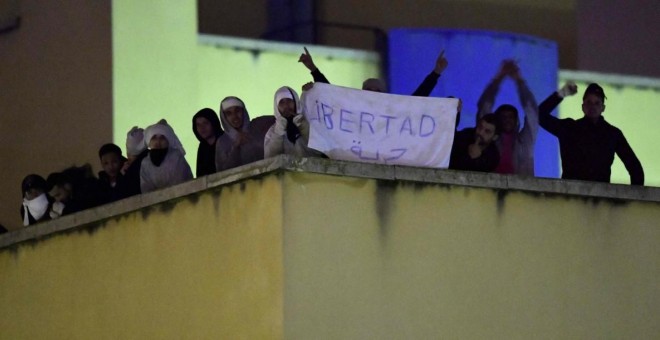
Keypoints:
pixel 474 148
pixel 378 85
pixel 240 144
pixel 516 146
pixel 290 133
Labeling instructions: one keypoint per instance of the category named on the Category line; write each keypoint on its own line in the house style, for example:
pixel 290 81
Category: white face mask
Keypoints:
pixel 36 207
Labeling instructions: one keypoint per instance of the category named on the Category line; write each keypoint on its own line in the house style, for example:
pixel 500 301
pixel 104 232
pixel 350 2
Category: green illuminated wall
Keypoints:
pixel 162 69
pixel 632 109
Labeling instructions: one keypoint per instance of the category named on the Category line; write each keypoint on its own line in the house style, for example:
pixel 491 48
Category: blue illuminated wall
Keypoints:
pixel 474 58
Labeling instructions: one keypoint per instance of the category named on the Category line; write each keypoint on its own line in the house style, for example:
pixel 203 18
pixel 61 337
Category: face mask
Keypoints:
pixel 157 156
pixel 36 207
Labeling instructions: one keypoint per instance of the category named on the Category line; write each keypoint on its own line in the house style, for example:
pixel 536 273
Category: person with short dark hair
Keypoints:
pixel 474 148
pixel 242 143
pixel 588 145
pixel 111 180
pixel 516 146
pixel 36 203
pixel 74 189
pixel 207 129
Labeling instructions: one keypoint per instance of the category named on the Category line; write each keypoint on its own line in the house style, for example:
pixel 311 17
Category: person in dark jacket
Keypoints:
pixel 377 85
pixel 588 145
pixel 111 180
pixel 474 148
pixel 206 127
pixel 74 189
pixel 36 203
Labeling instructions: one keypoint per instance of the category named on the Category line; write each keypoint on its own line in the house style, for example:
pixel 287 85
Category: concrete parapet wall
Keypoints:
pixel 312 248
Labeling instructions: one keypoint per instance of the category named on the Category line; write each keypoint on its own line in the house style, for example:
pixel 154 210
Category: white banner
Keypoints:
pixel 355 125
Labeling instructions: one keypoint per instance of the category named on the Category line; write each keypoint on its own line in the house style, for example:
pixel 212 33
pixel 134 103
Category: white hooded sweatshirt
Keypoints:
pixel 276 141
pixel 229 155
pixel 173 170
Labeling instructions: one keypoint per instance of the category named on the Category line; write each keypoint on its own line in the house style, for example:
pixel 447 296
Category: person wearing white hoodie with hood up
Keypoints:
pixel 241 143
pixel 165 164
pixel 290 133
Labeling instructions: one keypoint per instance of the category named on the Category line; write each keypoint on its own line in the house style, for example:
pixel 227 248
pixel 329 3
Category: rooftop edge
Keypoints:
pixel 336 168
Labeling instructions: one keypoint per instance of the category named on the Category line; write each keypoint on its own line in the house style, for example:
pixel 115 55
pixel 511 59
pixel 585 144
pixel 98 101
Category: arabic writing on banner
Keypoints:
pixel 355 125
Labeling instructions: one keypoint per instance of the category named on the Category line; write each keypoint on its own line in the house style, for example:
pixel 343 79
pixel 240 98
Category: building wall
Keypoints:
pixel 396 260
pixel 319 249
pixel 176 72
pixel 585 30
pixel 73 80
pixel 56 97
pixel 618 36
pixel 80 74
pixel 541 19
pixel 197 267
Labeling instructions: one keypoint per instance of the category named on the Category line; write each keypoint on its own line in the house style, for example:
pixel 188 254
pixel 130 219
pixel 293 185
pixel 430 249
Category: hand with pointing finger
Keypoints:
pixel 307 60
pixel 441 63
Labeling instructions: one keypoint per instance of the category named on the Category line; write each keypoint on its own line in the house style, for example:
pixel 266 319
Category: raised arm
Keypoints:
pixel 531 109
pixel 487 98
pixel 306 59
pixel 546 120
pixel 428 84
pixel 630 160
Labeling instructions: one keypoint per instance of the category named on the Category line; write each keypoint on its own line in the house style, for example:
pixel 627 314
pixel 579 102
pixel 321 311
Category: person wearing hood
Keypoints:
pixel 36 202
pixel 165 164
pixel 241 144
pixel 206 127
pixel 290 133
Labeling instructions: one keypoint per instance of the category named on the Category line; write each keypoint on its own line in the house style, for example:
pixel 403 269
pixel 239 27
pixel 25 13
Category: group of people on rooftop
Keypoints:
pixel 500 143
